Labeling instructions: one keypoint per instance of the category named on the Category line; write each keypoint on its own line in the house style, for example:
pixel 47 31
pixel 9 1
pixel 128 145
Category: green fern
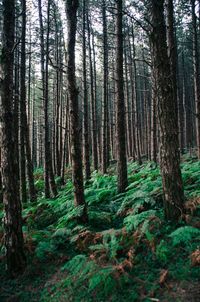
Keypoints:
pixel 163 251
pixel 111 243
pixel 99 218
pixel 70 216
pixel 75 265
pixel 103 280
pixel 184 235
pixel 44 250
pixel 62 232
pixel 133 221
pixel 136 200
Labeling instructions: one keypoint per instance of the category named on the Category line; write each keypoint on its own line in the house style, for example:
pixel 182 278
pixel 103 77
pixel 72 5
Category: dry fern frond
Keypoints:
pixel 163 276
pixel 192 204
pixel 195 258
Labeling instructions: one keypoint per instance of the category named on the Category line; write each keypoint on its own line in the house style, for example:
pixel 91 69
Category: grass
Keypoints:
pixel 126 252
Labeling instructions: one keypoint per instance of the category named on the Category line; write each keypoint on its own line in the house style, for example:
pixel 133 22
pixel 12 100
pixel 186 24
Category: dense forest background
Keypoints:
pixel 99 150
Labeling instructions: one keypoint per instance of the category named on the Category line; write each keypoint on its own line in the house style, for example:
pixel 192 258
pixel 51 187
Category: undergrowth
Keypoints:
pixel 126 252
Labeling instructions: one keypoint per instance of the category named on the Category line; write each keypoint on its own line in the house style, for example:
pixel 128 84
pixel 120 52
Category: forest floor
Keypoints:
pixel 126 252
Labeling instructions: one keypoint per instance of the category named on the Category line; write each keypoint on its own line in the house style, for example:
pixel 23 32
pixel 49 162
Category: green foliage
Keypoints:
pixel 184 235
pixel 44 250
pixel 163 251
pixel 62 232
pixel 122 249
pixel 99 218
pixel 112 243
pixel 191 179
pixel 87 279
pixel 133 221
pixel 39 185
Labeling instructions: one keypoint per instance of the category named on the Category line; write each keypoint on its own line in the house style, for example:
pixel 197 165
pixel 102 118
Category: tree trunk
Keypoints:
pixel 71 12
pixel 105 90
pixel 136 113
pixel 167 113
pixel 196 75
pixel 93 102
pixel 86 147
pixel 48 168
pixel 23 114
pixel 121 136
pixel 15 257
pixel 23 107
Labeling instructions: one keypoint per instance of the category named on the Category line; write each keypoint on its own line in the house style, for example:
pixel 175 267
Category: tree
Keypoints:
pixel 14 245
pixel 105 92
pixel 48 169
pixel 121 139
pixel 167 114
pixel 24 131
pixel 93 100
pixel 77 170
pixel 85 101
pixel 196 74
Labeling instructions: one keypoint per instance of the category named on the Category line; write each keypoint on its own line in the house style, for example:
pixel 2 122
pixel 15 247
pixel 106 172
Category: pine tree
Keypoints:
pixel 15 257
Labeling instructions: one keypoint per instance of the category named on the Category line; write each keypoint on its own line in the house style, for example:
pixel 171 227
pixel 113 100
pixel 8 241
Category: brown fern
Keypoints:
pixel 192 204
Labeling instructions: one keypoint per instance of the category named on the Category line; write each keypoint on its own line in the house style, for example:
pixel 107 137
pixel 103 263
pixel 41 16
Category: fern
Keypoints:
pixel 163 251
pixel 86 278
pixel 99 218
pixel 39 185
pixel 62 232
pixel 104 280
pixel 75 265
pixel 111 243
pixel 136 200
pixel 184 235
pixel 70 217
pixel 44 250
pixel 133 221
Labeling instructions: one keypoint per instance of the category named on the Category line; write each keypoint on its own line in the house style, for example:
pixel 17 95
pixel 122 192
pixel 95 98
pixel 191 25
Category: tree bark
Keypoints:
pixel 86 147
pixel 121 136
pixel 196 75
pixel 15 257
pixel 167 113
pixel 93 101
pixel 105 91
pixel 22 156
pixel 48 168
pixel 77 171
pixel 23 115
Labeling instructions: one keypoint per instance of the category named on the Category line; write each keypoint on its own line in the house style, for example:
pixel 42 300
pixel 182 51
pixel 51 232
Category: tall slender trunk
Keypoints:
pixel 23 106
pixel 16 102
pixel 105 90
pixel 86 147
pixel 48 153
pixel 154 123
pixel 23 114
pixel 48 168
pixel 77 171
pixel 128 119
pixel 121 136
pixel 167 113
pixel 136 113
pixel 132 106
pixel 196 75
pixel 42 54
pixel 65 146
pixel 93 101
pixel 14 245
